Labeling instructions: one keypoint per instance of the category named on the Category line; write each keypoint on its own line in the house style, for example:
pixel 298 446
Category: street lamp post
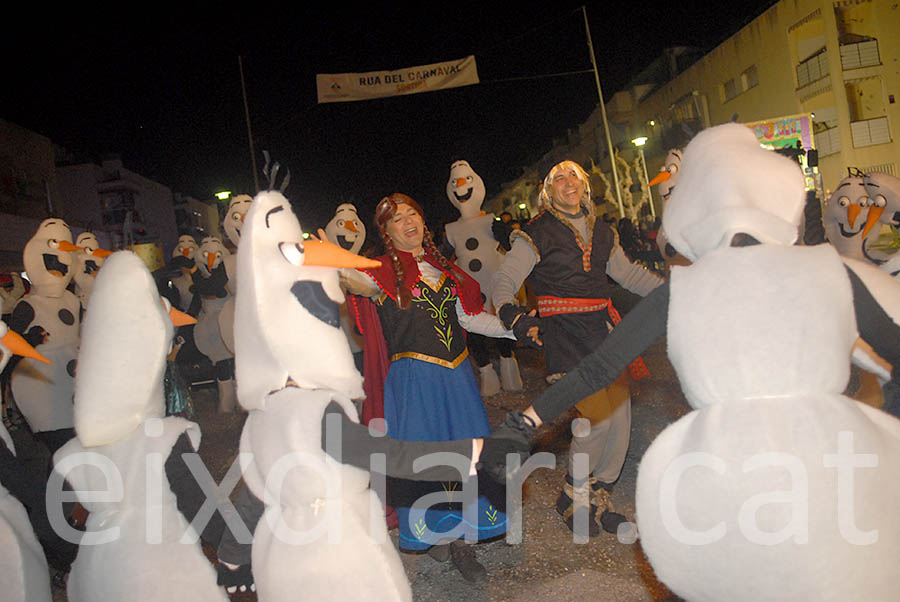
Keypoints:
pixel 639 142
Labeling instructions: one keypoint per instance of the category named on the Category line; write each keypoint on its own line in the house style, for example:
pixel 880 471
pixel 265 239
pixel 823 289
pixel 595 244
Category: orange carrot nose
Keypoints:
pixel 351 227
pixel 15 343
pixel 852 213
pixel 243 215
pixel 102 253
pixel 326 254
pixel 460 182
pixel 872 219
pixel 179 318
pixel 65 245
pixel 185 251
pixel 660 177
pixel 210 260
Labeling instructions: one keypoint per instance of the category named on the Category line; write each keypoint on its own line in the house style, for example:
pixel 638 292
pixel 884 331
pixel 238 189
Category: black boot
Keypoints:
pixel 439 552
pixel 565 505
pixel 463 556
pixel 609 518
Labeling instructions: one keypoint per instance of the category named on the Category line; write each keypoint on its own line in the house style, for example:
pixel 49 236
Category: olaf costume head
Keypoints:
pixel 87 264
pixel 346 229
pixel 668 175
pixel 48 258
pixel 211 254
pixel 465 189
pixel 124 340
pixel 287 322
pixel 234 217
pixel 769 209
pixel 844 216
pixel 186 247
pixel 884 205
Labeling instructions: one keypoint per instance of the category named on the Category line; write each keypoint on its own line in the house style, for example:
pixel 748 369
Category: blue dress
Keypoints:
pixel 430 394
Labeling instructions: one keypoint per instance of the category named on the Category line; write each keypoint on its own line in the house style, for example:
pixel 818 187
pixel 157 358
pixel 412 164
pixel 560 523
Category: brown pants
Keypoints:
pixel 609 413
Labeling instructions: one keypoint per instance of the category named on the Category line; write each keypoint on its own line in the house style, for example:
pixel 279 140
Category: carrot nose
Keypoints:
pixel 102 253
pixel 351 227
pixel 185 251
pixel 852 213
pixel 65 245
pixel 872 219
pixel 660 177
pixel 326 254
pixel 210 260
pixel 243 215
pixel 15 343
pixel 179 318
pixel 460 182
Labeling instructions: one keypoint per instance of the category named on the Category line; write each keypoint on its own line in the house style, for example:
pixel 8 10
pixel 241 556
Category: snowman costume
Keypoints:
pixel 119 409
pixel 86 265
pixel 776 486
pixel 348 232
pixel 477 253
pixel 844 217
pixel 44 392
pixel 187 247
pixel 233 222
pixel 294 368
pixel 24 576
pixel 211 282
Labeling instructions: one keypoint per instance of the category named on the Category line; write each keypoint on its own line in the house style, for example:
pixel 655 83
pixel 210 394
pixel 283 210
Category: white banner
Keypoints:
pixel 346 87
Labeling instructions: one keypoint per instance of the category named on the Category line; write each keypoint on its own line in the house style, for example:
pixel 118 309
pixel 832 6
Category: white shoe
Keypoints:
pixel 510 378
pixel 490 383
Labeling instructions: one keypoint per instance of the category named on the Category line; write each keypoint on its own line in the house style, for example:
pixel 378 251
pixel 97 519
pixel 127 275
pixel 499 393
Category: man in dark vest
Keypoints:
pixel 567 253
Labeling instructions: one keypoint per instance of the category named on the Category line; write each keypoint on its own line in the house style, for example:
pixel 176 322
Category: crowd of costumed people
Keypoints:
pixel 357 368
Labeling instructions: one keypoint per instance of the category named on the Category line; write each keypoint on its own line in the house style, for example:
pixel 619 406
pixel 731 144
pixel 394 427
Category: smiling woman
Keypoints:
pixel 423 306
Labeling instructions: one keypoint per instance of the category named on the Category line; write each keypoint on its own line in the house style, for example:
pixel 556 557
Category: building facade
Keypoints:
pixel 837 60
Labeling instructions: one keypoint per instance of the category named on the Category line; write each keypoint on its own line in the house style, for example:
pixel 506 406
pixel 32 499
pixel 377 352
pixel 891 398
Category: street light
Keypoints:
pixel 639 142
pixel 223 196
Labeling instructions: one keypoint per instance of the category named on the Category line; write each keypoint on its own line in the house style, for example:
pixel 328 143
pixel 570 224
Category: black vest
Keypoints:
pixel 429 330
pixel 564 269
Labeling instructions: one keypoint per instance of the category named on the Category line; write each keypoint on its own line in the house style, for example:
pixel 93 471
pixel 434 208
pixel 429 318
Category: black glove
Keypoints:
pixel 233 580
pixel 511 437
pixel 508 313
pixel 180 261
pixel 520 322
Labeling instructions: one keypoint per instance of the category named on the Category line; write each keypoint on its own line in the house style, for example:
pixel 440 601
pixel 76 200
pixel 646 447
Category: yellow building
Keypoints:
pixel 836 59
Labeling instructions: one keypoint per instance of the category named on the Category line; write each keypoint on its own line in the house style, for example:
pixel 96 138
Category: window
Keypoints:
pixel 749 78
pixel 729 90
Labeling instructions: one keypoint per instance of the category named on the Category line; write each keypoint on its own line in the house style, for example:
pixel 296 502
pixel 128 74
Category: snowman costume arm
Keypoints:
pixel 357 445
pixel 647 323
pixel 640 328
pixel 516 266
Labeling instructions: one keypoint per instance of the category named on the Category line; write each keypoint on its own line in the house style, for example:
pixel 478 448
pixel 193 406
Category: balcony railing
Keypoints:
pixel 860 54
pixel 870 131
pixel 812 69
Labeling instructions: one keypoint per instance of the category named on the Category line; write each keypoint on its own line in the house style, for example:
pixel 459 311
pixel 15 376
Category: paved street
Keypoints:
pixel 547 565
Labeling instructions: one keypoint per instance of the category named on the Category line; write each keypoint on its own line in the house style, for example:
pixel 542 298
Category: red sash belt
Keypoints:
pixel 551 306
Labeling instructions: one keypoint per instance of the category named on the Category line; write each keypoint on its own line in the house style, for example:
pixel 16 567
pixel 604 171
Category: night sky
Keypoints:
pixel 161 88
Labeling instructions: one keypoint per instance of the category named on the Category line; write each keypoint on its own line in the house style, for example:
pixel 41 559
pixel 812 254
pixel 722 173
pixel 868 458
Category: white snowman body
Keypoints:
pixel 44 392
pixel 749 497
pixel 472 237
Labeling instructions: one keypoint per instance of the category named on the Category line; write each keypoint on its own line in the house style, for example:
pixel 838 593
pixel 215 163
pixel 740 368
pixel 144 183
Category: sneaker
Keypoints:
pixel 463 556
